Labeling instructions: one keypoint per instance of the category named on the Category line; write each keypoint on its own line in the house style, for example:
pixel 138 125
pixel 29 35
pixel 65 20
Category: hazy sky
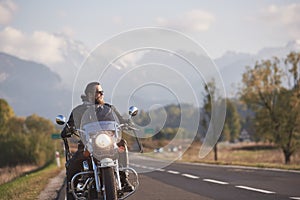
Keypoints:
pixel 219 26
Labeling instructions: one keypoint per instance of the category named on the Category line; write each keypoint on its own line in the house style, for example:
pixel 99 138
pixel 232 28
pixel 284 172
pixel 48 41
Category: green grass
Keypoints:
pixel 28 186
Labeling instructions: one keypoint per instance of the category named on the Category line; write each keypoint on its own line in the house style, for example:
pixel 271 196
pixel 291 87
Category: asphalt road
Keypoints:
pixel 200 181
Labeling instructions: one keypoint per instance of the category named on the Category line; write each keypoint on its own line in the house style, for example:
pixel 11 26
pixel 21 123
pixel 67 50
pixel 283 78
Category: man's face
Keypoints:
pixel 99 96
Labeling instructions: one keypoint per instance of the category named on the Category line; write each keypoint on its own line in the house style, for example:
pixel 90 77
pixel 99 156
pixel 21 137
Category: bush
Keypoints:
pixel 26 141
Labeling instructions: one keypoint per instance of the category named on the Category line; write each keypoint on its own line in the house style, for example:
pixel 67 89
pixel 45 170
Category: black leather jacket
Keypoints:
pixel 104 112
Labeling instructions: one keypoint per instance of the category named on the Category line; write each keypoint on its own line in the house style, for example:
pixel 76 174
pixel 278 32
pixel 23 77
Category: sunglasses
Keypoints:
pixel 100 92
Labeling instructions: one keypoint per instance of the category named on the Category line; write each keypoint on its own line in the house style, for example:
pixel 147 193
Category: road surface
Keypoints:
pixel 200 181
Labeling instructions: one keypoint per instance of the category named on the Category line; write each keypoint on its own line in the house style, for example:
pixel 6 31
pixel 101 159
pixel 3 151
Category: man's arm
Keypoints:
pixel 66 132
pixel 119 116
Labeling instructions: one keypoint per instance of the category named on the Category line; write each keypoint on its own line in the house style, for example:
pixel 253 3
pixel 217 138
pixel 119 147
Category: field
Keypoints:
pixel 9 173
pixel 248 154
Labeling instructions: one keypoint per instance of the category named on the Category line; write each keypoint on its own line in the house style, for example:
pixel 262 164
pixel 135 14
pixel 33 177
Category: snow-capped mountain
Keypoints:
pixel 74 54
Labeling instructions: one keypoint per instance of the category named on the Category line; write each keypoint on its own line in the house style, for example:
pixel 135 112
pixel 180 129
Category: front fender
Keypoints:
pixel 107 162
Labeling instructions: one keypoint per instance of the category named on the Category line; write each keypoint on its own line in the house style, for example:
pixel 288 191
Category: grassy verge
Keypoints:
pixel 28 186
pixel 9 173
pixel 253 155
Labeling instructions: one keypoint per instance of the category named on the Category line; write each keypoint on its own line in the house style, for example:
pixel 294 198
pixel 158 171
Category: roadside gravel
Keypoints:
pixel 52 189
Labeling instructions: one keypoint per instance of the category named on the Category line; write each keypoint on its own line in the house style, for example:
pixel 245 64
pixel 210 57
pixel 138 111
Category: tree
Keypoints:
pixel 39 124
pixel 232 121
pixel 6 113
pixel 39 130
pixel 273 94
pixel 25 140
pixel 208 101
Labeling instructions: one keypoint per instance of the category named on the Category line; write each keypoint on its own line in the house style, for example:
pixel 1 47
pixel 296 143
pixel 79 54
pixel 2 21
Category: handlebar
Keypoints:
pixel 131 128
pixel 126 126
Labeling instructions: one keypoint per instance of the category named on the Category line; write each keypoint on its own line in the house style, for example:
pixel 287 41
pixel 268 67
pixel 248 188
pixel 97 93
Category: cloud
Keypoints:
pixel 129 59
pixel 286 17
pixel 40 46
pixel 117 20
pixel 7 10
pixel 194 20
pixel 68 31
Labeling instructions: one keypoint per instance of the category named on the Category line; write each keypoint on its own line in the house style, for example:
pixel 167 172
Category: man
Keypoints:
pixel 94 96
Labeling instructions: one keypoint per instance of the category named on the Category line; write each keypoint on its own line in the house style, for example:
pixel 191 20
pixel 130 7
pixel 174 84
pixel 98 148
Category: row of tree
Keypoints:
pixel 271 91
pixel 24 140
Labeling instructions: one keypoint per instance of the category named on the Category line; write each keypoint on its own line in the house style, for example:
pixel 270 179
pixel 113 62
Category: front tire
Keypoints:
pixel 109 182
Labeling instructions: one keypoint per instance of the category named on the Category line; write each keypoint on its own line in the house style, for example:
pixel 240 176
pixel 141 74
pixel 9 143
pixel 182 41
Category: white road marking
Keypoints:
pixel 255 189
pixel 173 172
pixel 143 166
pixel 151 168
pixel 190 176
pixel 215 181
pixel 211 180
pixel 135 165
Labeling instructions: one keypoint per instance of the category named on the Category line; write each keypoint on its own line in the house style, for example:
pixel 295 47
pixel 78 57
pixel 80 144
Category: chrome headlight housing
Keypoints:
pixel 102 144
pixel 103 140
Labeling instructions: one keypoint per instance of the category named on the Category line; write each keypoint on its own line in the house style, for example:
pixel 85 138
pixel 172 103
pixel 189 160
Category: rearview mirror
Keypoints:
pixel 60 120
pixel 133 111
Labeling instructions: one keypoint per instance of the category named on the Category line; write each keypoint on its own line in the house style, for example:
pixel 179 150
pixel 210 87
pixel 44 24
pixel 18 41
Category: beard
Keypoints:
pixel 99 101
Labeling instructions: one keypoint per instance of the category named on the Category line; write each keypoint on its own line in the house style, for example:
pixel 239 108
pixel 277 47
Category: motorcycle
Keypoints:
pixel 100 174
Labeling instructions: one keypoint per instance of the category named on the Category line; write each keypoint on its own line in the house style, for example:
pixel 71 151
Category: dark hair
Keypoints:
pixel 89 89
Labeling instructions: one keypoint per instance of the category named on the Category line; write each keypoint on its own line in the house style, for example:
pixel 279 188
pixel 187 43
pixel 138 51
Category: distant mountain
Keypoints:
pixel 279 52
pixel 30 88
pixel 74 53
pixel 233 64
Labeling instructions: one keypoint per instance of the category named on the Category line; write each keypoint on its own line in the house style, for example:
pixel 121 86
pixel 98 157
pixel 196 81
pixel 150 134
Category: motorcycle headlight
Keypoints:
pixel 103 140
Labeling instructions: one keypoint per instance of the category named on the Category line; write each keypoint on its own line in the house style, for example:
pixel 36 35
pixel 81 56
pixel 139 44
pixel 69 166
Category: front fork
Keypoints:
pixel 113 164
pixel 97 181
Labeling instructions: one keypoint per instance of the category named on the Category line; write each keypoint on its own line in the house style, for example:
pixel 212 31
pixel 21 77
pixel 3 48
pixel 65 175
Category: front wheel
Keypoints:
pixel 109 183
